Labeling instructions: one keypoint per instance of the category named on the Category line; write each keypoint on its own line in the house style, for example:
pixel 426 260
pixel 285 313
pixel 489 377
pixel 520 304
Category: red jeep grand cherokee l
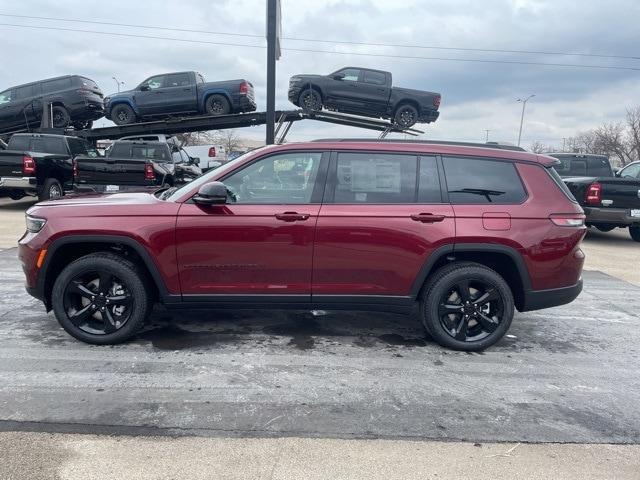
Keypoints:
pixel 467 232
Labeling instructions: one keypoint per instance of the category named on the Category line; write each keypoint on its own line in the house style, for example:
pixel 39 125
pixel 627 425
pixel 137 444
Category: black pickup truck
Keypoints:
pixel 135 165
pixel 39 164
pixel 367 92
pixel 180 93
pixel 609 199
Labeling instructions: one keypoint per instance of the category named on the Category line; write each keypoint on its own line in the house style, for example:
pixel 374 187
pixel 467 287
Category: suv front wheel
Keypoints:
pixel 101 298
pixel 467 306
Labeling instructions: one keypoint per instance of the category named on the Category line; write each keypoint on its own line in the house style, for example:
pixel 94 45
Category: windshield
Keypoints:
pixel 201 180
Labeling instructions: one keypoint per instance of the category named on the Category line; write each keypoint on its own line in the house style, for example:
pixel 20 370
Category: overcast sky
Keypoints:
pixel 475 96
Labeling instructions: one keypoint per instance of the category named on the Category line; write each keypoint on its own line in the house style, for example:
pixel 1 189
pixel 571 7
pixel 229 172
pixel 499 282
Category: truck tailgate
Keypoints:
pixel 623 192
pixel 11 163
pixel 112 171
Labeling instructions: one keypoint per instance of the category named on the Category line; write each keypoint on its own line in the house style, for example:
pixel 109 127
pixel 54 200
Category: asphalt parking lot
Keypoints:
pixel 567 374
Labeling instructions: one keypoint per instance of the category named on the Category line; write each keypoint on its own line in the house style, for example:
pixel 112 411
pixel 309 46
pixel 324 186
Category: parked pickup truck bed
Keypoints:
pixel 367 92
pixel 37 164
pixel 132 165
pixel 180 93
pixel 609 200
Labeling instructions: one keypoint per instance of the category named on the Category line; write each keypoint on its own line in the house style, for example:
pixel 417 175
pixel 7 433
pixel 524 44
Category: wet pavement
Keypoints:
pixel 568 374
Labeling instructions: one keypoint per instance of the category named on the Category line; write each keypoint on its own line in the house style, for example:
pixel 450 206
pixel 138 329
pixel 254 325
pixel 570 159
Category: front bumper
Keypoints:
pixel 18 183
pixel 613 216
pixel 539 299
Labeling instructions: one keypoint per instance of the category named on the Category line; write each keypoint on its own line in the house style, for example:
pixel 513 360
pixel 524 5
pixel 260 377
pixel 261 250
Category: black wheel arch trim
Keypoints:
pixel 52 248
pixel 452 249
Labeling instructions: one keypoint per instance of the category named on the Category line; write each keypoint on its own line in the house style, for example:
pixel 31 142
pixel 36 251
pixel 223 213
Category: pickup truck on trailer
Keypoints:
pixel 180 93
pixel 367 92
pixel 609 199
pixel 42 165
pixel 135 165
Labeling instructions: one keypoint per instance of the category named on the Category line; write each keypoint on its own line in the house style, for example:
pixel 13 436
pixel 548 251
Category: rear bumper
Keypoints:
pixel 102 189
pixel 18 183
pixel 87 109
pixel 616 216
pixel 428 116
pixel 246 104
pixel 539 299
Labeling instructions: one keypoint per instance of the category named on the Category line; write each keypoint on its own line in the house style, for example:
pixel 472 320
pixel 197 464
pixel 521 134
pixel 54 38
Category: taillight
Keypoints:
pixel 28 165
pixel 149 172
pixel 436 101
pixel 244 88
pixel 593 195
pixel 212 151
pixel 75 169
pixel 567 219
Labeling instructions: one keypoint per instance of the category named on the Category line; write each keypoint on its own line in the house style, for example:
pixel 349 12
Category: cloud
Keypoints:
pixel 476 96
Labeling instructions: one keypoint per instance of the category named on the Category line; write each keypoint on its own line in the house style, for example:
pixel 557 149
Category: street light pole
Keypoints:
pixel 118 83
pixel 524 104
pixel 487 137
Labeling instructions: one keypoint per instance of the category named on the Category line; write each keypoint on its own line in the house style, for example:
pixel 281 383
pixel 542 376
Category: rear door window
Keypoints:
pixel 474 180
pixel 178 80
pixel 375 178
pixel 56 85
pixel 375 78
pixel 48 145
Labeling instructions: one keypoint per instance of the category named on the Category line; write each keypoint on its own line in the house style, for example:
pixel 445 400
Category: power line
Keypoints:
pixel 331 52
pixel 343 42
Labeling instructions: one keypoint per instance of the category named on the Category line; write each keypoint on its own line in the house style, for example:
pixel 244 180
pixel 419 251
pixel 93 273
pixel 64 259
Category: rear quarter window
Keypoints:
pixel 474 180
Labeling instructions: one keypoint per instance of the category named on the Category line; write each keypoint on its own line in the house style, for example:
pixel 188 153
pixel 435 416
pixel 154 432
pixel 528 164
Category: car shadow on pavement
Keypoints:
pixel 299 329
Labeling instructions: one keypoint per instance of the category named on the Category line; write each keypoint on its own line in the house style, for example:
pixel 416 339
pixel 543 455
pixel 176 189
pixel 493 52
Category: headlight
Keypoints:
pixel 34 224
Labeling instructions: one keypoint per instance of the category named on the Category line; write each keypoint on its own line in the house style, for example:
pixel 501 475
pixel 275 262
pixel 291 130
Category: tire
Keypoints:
pixel 486 322
pixel 60 117
pixel 406 115
pixel 122 114
pixel 635 233
pixel 310 100
pixel 51 189
pixel 79 300
pixel 217 105
pixel 605 227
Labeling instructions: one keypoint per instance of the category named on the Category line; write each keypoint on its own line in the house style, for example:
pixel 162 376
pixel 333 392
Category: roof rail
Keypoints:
pixel 499 146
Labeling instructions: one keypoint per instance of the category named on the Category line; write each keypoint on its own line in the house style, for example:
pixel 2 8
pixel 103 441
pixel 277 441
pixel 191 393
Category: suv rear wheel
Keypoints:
pixel 101 298
pixel 60 117
pixel 467 306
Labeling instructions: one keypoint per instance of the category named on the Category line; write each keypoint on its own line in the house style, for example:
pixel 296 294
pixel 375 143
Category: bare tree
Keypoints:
pixel 610 140
pixel 229 139
pixel 539 147
pixel 633 132
pixel 195 138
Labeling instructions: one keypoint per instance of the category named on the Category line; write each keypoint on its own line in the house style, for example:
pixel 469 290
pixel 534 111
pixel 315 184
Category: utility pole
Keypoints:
pixel 273 54
pixel 487 136
pixel 524 104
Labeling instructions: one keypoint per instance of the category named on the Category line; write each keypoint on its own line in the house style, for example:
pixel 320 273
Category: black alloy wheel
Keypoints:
pixel 217 105
pixel 406 116
pixel 101 298
pixel 123 114
pixel 98 302
pixel 470 310
pixel 467 306
pixel 60 117
pixel 310 100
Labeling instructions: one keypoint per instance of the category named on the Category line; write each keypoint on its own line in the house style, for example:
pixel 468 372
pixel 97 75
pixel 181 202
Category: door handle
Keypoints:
pixel 427 217
pixel 186 89
pixel 292 216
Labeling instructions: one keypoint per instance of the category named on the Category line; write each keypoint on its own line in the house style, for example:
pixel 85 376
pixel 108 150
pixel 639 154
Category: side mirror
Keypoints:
pixel 144 88
pixel 212 193
pixel 616 173
pixel 338 76
pixel 195 160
